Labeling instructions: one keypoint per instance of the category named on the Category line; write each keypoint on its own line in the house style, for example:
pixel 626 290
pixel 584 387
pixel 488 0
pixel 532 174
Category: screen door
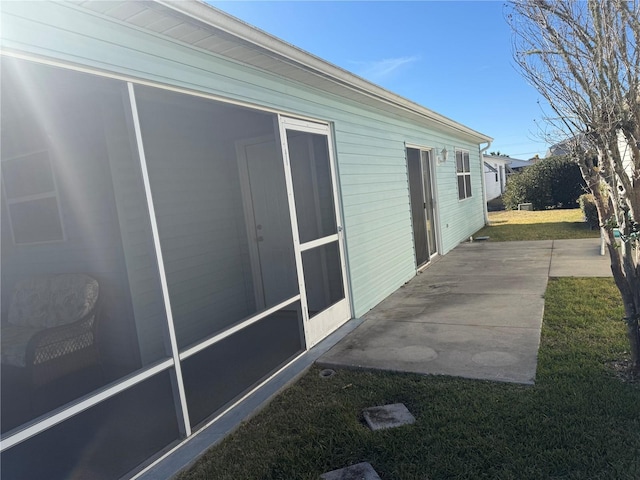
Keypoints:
pixel 312 184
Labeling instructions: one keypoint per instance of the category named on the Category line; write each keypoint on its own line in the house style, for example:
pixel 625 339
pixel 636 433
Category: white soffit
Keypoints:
pixel 200 25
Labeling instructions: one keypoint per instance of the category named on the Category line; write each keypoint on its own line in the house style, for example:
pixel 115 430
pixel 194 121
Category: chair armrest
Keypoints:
pixel 58 341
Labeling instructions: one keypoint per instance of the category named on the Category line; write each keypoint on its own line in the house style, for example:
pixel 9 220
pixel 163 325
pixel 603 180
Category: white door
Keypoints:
pixel 315 218
pixel 267 218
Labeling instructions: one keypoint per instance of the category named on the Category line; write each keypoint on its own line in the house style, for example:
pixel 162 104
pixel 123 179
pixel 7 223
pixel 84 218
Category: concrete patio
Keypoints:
pixel 475 313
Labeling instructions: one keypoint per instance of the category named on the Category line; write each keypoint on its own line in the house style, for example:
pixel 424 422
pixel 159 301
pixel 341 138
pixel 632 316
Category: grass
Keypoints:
pixel 512 225
pixel 579 421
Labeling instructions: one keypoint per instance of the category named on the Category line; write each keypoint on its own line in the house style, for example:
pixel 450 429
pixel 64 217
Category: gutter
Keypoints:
pixel 484 186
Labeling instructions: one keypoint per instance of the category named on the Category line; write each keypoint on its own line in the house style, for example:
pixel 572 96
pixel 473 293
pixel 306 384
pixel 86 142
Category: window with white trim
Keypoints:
pixel 32 198
pixel 464 174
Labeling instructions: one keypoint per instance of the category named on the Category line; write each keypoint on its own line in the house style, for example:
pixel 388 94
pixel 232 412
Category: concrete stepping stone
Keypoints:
pixel 359 471
pixel 388 416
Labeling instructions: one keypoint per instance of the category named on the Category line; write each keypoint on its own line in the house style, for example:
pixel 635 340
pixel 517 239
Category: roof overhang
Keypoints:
pixel 204 27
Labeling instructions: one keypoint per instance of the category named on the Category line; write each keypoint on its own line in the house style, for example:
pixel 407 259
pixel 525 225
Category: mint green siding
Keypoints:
pixel 369 143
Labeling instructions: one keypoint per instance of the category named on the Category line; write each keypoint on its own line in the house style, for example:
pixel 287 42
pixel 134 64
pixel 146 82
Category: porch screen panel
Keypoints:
pixel 323 277
pixel 76 235
pixel 219 374
pixel 312 185
pixel 217 180
pixel 102 443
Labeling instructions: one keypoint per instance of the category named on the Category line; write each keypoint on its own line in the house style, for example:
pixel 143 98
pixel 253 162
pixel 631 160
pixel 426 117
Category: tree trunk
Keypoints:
pixel 630 298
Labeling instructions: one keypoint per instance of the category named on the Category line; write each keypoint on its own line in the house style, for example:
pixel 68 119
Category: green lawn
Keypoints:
pixel 541 225
pixel 579 421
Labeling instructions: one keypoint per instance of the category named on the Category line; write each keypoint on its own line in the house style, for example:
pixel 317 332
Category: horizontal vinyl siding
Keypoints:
pixel 195 193
pixel 370 144
pixel 137 242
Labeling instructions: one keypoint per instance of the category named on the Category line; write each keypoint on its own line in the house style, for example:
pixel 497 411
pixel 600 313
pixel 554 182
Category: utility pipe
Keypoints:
pixel 484 186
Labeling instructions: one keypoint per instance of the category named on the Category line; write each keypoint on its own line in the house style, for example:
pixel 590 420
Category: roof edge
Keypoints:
pixel 205 13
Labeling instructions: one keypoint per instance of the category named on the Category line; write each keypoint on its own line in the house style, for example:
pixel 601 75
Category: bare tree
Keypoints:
pixel 583 58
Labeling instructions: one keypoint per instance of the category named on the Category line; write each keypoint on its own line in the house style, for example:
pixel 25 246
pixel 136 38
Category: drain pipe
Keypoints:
pixel 484 186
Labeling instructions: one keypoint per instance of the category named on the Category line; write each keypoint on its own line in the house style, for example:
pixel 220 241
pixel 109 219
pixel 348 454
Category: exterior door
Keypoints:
pixel 315 217
pixel 267 218
pixel 422 204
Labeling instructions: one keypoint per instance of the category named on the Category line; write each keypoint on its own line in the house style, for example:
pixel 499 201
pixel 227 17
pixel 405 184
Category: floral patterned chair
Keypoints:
pixel 51 325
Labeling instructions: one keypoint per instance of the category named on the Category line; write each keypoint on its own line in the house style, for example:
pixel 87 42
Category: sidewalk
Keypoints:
pixel 475 313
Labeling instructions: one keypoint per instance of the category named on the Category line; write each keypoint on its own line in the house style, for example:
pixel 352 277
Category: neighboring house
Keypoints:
pixel 236 198
pixel 627 155
pixel 567 146
pixel 495 175
pixel 516 165
pixel 559 149
pixel 497 168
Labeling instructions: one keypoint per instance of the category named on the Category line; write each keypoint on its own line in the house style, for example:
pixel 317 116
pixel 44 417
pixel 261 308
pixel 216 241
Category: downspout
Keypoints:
pixel 484 186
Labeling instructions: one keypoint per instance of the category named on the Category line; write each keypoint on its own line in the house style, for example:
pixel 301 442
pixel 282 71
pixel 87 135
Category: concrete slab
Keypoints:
pixel 579 258
pixel 388 416
pixel 504 246
pixel 481 352
pixel 359 471
pixel 475 312
pixel 493 262
pixel 433 283
pixel 517 310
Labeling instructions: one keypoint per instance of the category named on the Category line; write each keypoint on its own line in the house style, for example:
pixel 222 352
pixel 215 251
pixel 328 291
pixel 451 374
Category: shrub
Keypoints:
pixel 589 210
pixel 516 191
pixel 554 182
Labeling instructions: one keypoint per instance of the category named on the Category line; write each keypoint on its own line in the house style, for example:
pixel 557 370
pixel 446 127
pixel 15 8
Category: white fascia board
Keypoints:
pixel 220 20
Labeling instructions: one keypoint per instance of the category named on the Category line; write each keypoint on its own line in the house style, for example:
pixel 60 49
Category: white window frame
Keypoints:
pixel 49 194
pixel 464 174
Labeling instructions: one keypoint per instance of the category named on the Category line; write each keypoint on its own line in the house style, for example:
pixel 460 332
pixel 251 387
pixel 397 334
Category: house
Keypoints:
pixel 497 169
pixel 235 198
pixel 560 149
pixel 516 165
pixel 495 175
pixel 626 154
pixel 568 146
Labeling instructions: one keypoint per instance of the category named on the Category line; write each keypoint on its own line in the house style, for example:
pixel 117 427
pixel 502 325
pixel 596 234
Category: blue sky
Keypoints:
pixel 452 57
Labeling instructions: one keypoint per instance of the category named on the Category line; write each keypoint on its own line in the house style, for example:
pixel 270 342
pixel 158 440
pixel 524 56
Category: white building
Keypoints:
pixel 495 175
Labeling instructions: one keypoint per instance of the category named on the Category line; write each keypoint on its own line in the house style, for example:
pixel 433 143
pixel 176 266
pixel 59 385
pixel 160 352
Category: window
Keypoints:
pixel 32 198
pixel 464 174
